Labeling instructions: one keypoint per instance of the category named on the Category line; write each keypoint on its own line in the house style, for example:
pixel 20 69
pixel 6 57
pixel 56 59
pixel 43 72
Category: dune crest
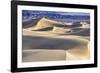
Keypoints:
pixel 55 27
pixel 44 23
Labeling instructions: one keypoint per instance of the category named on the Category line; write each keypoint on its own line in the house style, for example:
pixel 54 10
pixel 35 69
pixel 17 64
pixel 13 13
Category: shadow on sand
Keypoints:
pixel 36 42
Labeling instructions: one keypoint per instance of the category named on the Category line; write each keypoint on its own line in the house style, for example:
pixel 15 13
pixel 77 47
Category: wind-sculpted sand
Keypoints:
pixel 54 27
pixel 51 41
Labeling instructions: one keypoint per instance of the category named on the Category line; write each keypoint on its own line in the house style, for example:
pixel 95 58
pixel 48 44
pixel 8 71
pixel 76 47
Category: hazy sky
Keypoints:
pixel 51 12
pixel 58 16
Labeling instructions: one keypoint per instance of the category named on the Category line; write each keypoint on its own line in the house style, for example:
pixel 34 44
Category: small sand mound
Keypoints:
pixel 60 30
pixel 82 32
pixel 84 25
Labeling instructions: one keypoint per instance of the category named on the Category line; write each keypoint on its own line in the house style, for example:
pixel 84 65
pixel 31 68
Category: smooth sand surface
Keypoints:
pixel 78 54
pixel 37 47
pixel 43 55
pixel 35 41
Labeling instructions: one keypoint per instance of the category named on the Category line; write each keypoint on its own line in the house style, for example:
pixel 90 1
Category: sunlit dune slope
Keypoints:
pixel 44 23
pixel 78 54
pixel 55 27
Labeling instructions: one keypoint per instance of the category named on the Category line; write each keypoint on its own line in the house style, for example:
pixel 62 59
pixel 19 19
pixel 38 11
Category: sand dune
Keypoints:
pixel 84 32
pixel 72 31
pixel 78 54
pixel 44 23
pixel 30 23
pixel 48 40
pixel 59 30
pixel 55 27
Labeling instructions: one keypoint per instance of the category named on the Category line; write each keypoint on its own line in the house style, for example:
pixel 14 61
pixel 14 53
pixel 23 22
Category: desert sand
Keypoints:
pixel 43 55
pixel 49 40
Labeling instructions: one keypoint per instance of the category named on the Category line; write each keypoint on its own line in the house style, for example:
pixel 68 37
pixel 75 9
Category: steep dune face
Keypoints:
pixel 45 23
pixel 30 23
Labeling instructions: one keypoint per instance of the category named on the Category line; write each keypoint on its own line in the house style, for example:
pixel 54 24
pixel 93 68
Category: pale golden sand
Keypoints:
pixel 78 54
pixel 75 42
pixel 80 51
pixel 43 55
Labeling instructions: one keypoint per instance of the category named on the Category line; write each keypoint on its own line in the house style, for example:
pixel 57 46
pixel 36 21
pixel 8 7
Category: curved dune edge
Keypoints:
pixel 38 55
pixel 58 27
pixel 44 23
pixel 78 54
pixel 59 30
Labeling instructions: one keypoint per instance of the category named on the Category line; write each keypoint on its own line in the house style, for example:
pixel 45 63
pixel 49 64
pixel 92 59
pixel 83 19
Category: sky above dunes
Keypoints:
pixel 51 12
pixel 58 16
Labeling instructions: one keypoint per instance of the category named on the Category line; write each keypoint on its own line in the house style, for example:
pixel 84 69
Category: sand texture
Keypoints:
pixel 50 40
